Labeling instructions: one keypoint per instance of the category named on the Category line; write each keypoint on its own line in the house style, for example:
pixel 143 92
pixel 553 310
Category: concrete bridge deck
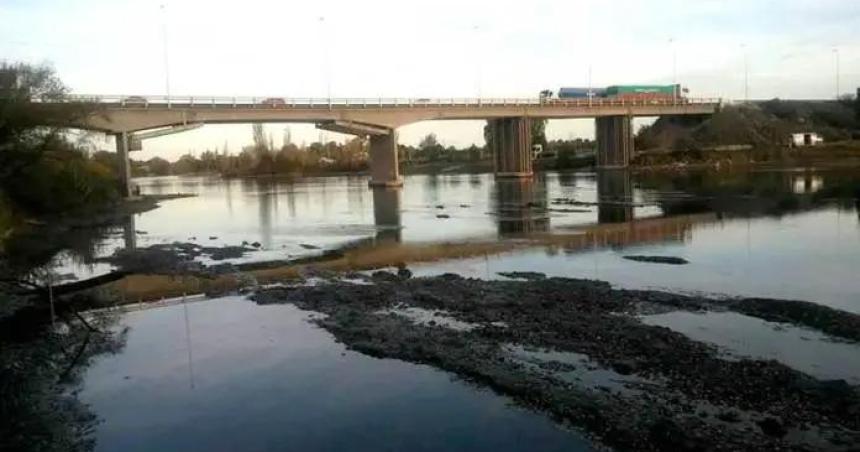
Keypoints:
pixel 379 118
pixel 118 113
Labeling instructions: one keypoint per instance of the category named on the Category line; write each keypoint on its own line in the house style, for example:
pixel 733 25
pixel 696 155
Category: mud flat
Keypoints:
pixel 577 350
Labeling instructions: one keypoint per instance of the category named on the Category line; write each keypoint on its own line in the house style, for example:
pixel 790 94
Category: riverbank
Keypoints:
pixel 836 155
pixel 578 350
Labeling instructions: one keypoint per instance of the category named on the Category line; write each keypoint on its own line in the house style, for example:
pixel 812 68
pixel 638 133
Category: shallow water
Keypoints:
pixel 227 374
pixel 741 336
pixel 249 377
pixel 787 234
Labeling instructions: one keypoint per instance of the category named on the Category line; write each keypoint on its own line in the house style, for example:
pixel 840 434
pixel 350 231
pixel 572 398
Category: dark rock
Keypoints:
pixel 671 260
pixel 440 206
pixel 625 367
pixel 309 247
pixel 728 416
pixel 443 216
pixel 772 427
pixel 528 276
pixel 213 237
pixel 256 244
pixel 403 271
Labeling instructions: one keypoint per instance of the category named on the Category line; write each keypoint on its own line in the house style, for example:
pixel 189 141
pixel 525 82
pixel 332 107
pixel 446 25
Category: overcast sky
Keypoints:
pixel 438 48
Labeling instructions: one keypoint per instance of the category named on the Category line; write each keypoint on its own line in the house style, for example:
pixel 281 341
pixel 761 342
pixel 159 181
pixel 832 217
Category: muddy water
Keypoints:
pixel 259 378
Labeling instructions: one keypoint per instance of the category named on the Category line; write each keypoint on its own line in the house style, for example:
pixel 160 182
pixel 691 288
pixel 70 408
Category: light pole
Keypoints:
pixel 326 62
pixel 477 30
pixel 166 57
pixel 746 74
pixel 674 69
pixel 836 52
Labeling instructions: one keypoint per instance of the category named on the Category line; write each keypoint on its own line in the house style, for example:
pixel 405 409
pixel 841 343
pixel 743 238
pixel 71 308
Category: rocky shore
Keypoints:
pixel 577 350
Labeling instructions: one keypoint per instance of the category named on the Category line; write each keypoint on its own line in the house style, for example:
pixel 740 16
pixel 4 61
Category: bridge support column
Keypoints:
pixel 512 147
pixel 384 170
pixel 614 135
pixel 122 141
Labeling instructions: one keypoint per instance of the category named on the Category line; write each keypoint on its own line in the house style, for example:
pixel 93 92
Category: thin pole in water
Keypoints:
pixel 188 342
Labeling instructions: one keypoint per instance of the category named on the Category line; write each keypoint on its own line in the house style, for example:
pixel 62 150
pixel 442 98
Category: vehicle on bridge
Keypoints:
pixel 274 101
pixel 636 93
pixel 645 92
pixel 580 93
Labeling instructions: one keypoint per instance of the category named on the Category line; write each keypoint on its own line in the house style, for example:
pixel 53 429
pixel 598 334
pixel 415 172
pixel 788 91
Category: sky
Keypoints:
pixel 428 49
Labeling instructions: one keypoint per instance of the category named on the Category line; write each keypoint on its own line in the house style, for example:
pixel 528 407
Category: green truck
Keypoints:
pixel 621 90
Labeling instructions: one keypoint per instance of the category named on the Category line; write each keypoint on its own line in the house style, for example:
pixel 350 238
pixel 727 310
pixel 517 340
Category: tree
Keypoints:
pixel 41 170
pixel 428 142
pixel 430 149
pixel 538 129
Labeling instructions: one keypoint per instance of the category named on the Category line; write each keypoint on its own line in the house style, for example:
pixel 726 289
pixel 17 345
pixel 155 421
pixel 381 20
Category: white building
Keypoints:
pixel 805 139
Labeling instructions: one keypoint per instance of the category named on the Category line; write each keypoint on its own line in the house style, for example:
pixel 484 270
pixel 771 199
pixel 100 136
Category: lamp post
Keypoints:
pixel 746 74
pixel 836 53
pixel 165 54
pixel 674 69
pixel 478 72
pixel 326 62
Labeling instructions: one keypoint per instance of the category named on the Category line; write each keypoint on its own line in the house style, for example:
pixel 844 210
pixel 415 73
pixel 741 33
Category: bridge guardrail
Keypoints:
pixel 138 101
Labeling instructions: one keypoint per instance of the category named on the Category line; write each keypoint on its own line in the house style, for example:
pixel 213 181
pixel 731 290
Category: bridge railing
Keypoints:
pixel 137 101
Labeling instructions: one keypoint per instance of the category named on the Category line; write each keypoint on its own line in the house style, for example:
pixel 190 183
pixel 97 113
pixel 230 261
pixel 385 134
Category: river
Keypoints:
pixel 226 374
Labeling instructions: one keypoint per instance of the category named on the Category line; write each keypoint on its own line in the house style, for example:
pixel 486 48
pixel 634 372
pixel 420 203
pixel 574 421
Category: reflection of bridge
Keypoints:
pixel 380 118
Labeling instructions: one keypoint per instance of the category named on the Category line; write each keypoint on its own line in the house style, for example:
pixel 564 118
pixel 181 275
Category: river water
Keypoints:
pixel 227 374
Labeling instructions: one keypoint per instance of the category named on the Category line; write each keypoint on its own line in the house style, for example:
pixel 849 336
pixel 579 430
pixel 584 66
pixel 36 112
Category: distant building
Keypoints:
pixel 805 139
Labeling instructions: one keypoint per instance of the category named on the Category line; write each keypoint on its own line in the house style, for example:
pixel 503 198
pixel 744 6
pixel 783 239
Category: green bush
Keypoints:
pixel 60 181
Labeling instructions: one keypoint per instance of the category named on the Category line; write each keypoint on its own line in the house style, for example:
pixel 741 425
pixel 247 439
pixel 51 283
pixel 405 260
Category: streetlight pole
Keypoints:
pixel 836 52
pixel 326 62
pixel 166 57
pixel 746 74
pixel 674 69
pixel 478 71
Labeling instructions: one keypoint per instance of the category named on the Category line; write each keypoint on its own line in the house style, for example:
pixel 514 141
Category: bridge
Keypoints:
pixel 378 118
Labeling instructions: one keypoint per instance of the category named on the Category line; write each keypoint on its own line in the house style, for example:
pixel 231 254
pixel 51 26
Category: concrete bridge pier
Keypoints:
pixel 384 170
pixel 122 147
pixel 614 135
pixel 512 147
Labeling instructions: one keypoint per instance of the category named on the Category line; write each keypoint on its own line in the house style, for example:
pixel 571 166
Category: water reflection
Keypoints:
pixel 521 206
pixel 615 195
pixel 129 233
pixel 386 214
pixel 335 211
pixel 296 389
